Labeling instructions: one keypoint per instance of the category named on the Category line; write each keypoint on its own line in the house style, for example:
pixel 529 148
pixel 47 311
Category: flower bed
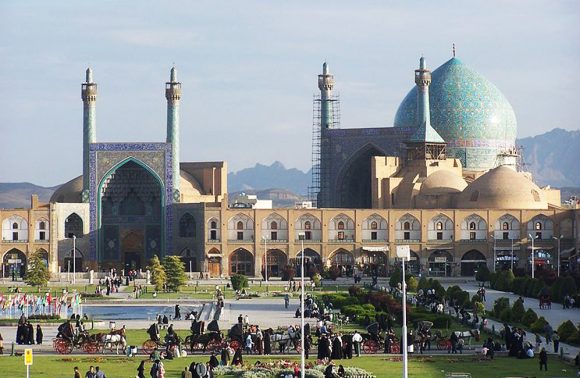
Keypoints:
pixel 282 368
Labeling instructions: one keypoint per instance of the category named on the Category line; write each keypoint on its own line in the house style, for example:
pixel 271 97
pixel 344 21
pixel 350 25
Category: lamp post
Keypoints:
pixel 494 252
pixel 553 237
pixel 512 254
pixel 404 253
pixel 265 258
pixel 530 235
pixel 302 335
pixel 74 280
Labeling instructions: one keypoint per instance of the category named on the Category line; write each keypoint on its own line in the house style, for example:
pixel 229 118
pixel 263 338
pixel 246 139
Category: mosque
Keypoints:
pixel 442 180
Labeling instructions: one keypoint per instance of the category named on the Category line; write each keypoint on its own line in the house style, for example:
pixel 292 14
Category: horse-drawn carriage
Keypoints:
pixel 199 339
pixel 67 340
pixel 545 301
pixel 372 342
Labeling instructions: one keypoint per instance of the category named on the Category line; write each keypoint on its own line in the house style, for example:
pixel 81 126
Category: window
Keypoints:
pixel 406 226
pixel 273 226
pixel 15 226
pixel 538 226
pixel 42 226
pixel 374 235
pixel 474 196
pixel 393 199
pixel 472 235
pixel 240 235
pixel 505 226
pixel 439 225
pixel 213 224
pixel 73 226
pixel 307 225
pixel 308 235
pixel 42 235
pixel 439 236
pixel 472 226
pixel 240 225
pixel 15 236
pixel 213 235
pixel 341 225
pixel 407 235
pixel 506 235
pixel 274 235
pixel 341 235
pixel 374 225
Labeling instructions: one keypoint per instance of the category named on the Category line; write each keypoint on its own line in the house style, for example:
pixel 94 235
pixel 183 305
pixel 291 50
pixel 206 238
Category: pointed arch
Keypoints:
pixel 241 262
pixel 375 227
pixel 275 227
pixel 15 228
pixel 507 227
pixel 187 226
pixel 541 227
pixel 408 227
pixel 241 227
pixel 354 180
pixel 14 263
pixel 343 260
pixel 310 226
pixel 471 261
pixel 341 227
pixel 73 225
pixel 440 227
pixel 473 227
pixel 213 227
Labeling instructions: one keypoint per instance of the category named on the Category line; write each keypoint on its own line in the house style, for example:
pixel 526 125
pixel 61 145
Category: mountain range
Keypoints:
pixel 552 158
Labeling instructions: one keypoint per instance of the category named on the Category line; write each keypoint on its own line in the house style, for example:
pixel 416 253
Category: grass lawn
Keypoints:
pixel 427 367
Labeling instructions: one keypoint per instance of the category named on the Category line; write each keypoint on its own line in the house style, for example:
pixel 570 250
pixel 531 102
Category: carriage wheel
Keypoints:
pixel 149 346
pixel 91 347
pixel 444 344
pixel 215 346
pixel 370 346
pixel 235 345
pixel 63 346
pixel 396 348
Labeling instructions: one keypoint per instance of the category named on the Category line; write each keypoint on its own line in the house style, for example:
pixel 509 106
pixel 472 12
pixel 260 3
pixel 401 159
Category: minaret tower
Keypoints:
pixel 326 84
pixel 89 96
pixel 425 143
pixel 173 96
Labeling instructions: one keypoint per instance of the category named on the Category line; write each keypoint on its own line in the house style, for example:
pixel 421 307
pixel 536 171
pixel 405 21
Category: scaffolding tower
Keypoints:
pixel 320 178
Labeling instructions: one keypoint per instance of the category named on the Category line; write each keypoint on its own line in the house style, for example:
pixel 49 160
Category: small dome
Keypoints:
pixel 502 188
pixel 70 192
pixel 442 182
pixel 468 111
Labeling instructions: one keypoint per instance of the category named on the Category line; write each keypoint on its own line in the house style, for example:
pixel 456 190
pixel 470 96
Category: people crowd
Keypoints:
pixel 25 332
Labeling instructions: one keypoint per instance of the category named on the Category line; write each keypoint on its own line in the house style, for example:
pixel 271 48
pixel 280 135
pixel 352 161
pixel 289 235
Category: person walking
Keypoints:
pixel 286 300
pixel 544 359
pixel 100 373
pixel 556 341
pixel 90 373
pixel 249 344
pixel 356 340
pixel 38 334
pixel 186 373
pixel 77 372
pixel 177 314
pixel 141 370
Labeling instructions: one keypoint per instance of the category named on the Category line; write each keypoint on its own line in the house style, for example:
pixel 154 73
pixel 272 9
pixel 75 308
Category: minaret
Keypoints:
pixel 425 142
pixel 89 96
pixel 173 95
pixel 326 84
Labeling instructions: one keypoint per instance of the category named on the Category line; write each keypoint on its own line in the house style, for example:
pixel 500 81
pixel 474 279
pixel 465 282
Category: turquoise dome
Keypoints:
pixel 468 111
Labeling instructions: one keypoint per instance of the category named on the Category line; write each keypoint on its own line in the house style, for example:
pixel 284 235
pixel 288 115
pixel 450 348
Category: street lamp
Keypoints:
pixel 553 237
pixel 404 253
pixel 512 254
pixel 265 257
pixel 74 259
pixel 494 252
pixel 301 236
pixel 533 263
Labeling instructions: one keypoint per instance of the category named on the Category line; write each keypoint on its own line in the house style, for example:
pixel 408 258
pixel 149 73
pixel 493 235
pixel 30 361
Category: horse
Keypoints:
pixel 204 339
pixel 285 339
pixel 113 338
pixel 467 335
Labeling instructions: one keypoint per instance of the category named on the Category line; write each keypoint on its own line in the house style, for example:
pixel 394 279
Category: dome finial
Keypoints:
pixel 173 77
pixel 454 50
pixel 325 68
pixel 89 75
pixel 422 64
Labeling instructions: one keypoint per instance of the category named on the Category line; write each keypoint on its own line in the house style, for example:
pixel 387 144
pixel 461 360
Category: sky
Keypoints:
pixel 249 71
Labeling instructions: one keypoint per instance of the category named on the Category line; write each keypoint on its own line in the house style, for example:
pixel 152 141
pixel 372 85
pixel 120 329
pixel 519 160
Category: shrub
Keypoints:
pixel 566 329
pixel 506 315
pixel 43 317
pixel 518 310
pixel 422 283
pixel 174 272
pixel 574 338
pixel 412 284
pixel 482 274
pixel 333 272
pixel 529 317
pixel 239 281
pixel 478 307
pixel 499 305
pixel 356 291
pixel 316 279
pixel 538 325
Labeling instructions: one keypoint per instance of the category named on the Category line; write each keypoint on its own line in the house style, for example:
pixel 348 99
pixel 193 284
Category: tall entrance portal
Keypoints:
pixel 131 206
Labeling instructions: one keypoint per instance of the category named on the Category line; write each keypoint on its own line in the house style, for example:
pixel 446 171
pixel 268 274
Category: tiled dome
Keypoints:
pixel 468 111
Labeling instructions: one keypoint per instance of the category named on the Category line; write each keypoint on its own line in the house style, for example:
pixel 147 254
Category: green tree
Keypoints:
pixel 239 281
pixel 482 274
pixel 37 273
pixel 175 272
pixel 158 276
pixel 518 310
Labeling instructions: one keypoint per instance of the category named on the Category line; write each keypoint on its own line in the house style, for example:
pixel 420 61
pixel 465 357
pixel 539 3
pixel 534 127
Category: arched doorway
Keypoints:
pixel 43 254
pixel 373 261
pixel 14 263
pixel 440 263
pixel 344 261
pixel 69 266
pixel 471 261
pixel 189 260
pixel 242 262
pixel 214 262
pixel 130 206
pixel 413 266
pixel 355 179
pixel 277 261
pixel 312 262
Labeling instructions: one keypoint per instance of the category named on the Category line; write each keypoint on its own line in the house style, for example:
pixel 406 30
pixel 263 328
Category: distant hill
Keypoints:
pixel 553 157
pixel 273 176
pixel 17 195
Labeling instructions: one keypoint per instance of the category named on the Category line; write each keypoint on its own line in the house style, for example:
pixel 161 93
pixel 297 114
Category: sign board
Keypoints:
pixel 440 259
pixel 403 252
pixel 27 357
pixel 14 261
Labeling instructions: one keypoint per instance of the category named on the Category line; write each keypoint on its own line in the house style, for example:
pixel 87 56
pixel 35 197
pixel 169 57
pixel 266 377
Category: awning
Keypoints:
pixel 375 248
pixel 536 248
pixel 441 248
pixel 567 252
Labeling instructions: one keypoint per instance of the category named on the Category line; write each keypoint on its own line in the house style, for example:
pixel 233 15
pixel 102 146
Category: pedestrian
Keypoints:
pixel 307 344
pixel 483 294
pixel 328 372
pixel 259 340
pixel 141 370
pixel 240 319
pixel 556 341
pixel 246 321
pixel 539 342
pixel 249 344
pixel 356 340
pixel 77 372
pixel 154 369
pixel 544 359
pixel 90 373
pixel 213 361
pixel 30 340
pixel 160 370
pixel 186 373
pixel 177 312
pixel 100 373
pixel 267 342
pixel 286 300
pixel 238 360
pixel 38 334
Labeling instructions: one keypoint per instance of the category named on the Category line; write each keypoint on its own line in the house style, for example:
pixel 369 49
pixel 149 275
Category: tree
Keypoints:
pixel 37 273
pixel 158 276
pixel 175 272
pixel 239 281
pixel 482 274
